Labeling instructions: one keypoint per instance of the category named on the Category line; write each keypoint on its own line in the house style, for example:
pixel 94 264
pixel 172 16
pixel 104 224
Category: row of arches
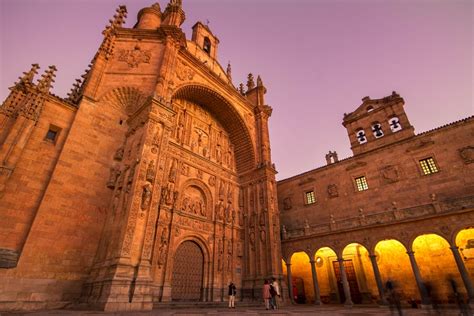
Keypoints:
pixel 430 270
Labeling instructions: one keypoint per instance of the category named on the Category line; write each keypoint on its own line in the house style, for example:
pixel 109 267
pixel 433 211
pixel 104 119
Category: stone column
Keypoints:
pixel 464 274
pixel 290 283
pixel 317 294
pixel 378 279
pixel 345 283
pixel 419 281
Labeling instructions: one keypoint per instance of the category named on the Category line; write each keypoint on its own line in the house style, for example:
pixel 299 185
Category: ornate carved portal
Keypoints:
pixel 187 282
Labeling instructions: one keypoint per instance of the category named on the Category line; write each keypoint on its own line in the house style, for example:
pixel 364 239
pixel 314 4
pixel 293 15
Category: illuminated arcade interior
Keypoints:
pixel 433 257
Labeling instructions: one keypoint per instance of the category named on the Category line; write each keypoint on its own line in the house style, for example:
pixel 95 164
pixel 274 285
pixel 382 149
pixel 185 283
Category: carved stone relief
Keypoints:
pixel 134 57
pixel 390 174
pixel 333 190
pixel 467 154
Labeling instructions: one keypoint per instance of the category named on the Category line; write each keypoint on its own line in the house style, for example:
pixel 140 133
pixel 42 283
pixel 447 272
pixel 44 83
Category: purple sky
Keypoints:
pixel 317 58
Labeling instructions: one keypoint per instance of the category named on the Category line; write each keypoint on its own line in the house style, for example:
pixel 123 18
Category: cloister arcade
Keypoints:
pixel 424 269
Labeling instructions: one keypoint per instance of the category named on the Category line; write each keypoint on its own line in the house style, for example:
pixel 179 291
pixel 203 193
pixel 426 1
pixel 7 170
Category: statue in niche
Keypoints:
pixel 170 194
pixel 173 168
pixel 252 240
pixel 240 250
pixel 119 154
pixel 261 197
pixel 229 211
pixel 219 154
pixel 284 232
pixel 121 178
pixel 157 137
pixel 162 255
pixel 261 220
pixel 114 175
pixel 231 156
pixel 220 209
pixel 230 194
pixel 180 128
pixel 146 196
pixel 221 191
pixel 150 172
pixel 262 234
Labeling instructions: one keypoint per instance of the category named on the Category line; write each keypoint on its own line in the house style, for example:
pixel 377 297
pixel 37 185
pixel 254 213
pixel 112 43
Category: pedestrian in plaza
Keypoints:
pixel 274 292
pixel 232 293
pixel 266 294
pixel 393 298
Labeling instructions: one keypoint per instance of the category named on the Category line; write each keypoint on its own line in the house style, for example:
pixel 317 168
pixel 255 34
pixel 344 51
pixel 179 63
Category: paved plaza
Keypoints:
pixel 255 310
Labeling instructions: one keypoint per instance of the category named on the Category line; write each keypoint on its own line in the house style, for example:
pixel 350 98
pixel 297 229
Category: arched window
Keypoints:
pixel 377 130
pixel 207 45
pixel 395 125
pixel 360 134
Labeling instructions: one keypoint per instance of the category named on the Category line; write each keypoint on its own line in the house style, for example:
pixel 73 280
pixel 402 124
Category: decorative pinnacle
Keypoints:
pixel 250 82
pixel 117 20
pixel 45 83
pixel 241 89
pixel 259 81
pixel 28 76
pixel 75 93
pixel 176 3
pixel 229 71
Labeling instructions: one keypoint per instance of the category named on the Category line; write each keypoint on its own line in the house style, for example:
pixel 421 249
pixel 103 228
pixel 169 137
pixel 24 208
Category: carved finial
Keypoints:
pixel 250 82
pixel 75 93
pixel 177 3
pixel 174 14
pixel 241 89
pixel 115 22
pixel 229 71
pixel 259 81
pixel 45 83
pixel 28 76
pixel 156 6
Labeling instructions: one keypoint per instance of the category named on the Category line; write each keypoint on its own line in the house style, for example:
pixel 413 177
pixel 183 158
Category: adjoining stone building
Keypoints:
pixel 151 182
pixel 400 210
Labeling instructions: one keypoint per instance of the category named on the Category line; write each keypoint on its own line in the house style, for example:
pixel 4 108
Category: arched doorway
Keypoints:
pixel 188 267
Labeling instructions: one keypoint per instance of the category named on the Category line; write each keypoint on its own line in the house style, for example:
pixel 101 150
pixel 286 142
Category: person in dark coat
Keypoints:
pixel 232 293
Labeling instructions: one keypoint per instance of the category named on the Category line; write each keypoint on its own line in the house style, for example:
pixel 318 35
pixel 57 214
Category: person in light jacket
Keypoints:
pixel 266 294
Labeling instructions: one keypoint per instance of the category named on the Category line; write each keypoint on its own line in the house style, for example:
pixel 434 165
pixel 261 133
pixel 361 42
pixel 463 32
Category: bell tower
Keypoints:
pixel 377 122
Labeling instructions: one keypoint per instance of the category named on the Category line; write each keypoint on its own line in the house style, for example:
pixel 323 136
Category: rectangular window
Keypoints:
pixel 428 166
pixel 310 197
pixel 361 183
pixel 52 134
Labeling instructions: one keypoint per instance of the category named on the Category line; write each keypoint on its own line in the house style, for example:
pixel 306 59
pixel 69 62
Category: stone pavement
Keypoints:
pixel 245 310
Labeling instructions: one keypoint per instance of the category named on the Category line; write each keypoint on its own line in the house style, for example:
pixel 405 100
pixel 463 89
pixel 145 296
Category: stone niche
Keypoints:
pixel 194 202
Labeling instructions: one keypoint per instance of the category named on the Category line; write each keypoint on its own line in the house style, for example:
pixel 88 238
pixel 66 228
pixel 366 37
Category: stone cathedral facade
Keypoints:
pixel 152 182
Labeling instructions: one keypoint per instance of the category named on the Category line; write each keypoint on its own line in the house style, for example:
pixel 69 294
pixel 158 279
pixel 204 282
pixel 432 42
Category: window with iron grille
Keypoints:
pixel 428 166
pixel 310 197
pixel 361 183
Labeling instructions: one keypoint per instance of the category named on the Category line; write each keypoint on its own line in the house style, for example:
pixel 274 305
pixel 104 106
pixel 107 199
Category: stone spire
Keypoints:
pixel 28 76
pixel 259 81
pixel 75 93
pixel 47 79
pixel 250 82
pixel 116 22
pixel 229 72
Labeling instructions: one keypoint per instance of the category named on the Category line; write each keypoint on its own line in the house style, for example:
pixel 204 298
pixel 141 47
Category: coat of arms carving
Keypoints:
pixel 134 57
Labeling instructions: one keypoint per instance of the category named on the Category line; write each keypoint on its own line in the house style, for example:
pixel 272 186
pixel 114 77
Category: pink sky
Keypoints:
pixel 317 58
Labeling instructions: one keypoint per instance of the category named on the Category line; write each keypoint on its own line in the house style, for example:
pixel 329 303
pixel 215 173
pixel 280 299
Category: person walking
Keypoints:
pixel 266 294
pixel 274 292
pixel 232 293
